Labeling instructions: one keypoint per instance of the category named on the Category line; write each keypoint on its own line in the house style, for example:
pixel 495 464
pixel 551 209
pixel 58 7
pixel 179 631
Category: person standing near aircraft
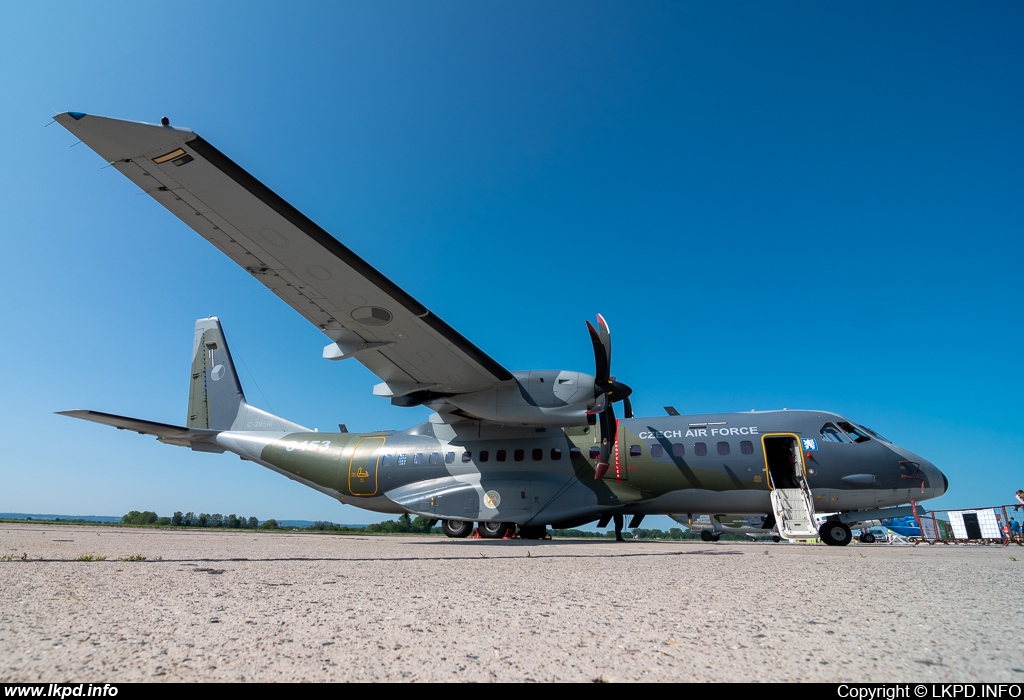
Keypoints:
pixel 1020 498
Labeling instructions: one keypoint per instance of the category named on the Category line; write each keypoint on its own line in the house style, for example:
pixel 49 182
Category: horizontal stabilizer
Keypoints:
pixel 195 438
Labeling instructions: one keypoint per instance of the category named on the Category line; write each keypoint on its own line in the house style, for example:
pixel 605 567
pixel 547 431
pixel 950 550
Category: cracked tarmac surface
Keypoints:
pixel 244 606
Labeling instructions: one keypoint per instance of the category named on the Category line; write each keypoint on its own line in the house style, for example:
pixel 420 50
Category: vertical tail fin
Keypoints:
pixel 215 397
pixel 214 394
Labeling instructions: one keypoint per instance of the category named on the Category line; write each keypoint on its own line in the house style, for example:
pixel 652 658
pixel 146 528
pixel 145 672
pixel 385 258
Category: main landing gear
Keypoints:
pixel 835 533
pixel 457 528
pixel 707 536
pixel 460 529
pixel 495 531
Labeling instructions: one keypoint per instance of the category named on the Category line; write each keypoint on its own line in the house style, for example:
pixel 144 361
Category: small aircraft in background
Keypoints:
pixel 907 526
pixel 512 451
pixel 712 527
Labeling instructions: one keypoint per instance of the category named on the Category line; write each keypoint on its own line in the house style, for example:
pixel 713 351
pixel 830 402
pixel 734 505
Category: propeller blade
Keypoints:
pixel 627 406
pixel 602 353
pixel 607 440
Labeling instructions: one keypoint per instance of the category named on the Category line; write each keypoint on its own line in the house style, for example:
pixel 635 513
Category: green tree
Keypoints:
pixel 177 519
pixel 421 524
pixel 270 524
pixel 134 517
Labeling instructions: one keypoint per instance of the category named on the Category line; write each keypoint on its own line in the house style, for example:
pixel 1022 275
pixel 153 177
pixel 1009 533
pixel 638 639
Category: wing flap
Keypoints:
pixel 332 287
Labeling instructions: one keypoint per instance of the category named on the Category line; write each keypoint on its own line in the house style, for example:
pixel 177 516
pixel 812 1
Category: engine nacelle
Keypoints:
pixel 555 398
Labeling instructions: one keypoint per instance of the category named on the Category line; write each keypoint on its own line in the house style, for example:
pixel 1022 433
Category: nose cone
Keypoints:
pixel 934 481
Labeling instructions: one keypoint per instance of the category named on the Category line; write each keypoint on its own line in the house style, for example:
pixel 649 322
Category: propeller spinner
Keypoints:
pixel 607 392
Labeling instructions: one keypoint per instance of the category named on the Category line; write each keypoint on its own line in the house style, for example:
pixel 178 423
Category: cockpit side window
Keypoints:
pixel 831 433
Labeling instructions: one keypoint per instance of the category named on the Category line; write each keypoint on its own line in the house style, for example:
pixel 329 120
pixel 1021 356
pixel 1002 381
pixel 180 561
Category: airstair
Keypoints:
pixel 794 513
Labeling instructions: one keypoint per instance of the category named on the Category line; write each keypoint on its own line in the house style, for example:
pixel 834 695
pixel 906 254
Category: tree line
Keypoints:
pixel 404 524
pixel 179 519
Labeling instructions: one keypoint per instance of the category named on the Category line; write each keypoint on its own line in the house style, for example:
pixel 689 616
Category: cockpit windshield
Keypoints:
pixel 844 431
pixel 875 435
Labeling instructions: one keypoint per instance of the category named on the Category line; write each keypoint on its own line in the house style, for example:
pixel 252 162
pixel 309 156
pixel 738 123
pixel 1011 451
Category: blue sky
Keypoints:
pixel 802 205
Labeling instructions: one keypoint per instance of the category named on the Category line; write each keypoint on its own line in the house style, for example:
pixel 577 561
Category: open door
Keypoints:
pixel 787 479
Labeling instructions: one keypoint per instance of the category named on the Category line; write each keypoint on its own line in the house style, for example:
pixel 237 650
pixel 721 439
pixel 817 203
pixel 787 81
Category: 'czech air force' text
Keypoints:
pixel 697 432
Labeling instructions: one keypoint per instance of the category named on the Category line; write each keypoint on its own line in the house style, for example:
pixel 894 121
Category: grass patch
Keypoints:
pixel 90 557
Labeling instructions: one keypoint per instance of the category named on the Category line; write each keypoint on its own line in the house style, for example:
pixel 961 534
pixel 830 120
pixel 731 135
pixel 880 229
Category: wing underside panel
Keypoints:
pixel 358 308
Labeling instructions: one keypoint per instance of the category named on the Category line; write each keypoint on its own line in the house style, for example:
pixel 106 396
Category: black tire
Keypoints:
pixel 494 531
pixel 835 534
pixel 715 538
pixel 867 538
pixel 533 532
pixel 457 528
pixel 705 535
pixel 776 539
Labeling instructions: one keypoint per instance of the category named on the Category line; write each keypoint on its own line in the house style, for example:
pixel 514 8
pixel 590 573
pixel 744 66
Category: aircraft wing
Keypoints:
pixel 365 315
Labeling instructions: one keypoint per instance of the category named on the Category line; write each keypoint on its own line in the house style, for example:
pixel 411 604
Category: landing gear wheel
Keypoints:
pixel 835 534
pixel 867 538
pixel 457 528
pixel 533 532
pixel 776 539
pixel 705 535
pixel 494 531
pixel 715 538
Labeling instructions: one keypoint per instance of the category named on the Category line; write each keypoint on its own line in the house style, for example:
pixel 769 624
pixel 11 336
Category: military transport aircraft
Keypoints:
pixel 513 452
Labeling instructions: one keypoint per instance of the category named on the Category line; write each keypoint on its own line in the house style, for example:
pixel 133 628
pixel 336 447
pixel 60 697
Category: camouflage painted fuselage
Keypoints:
pixel 704 463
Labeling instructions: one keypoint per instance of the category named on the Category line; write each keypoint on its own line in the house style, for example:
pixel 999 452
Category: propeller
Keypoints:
pixel 607 392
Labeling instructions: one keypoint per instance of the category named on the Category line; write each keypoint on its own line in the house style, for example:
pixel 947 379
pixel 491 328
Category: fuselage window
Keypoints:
pixel 657 450
pixel 556 453
pixel 402 460
pixel 500 455
pixel 435 458
pixel 574 453
pixel 700 449
pixel 484 455
pixel 385 460
pixel 634 450
pixel 519 455
pixel 595 452
pixel 678 450
pixel 467 456
pixel 417 458
pixel 723 448
pixel 746 447
pixel 537 454
pixel 449 458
